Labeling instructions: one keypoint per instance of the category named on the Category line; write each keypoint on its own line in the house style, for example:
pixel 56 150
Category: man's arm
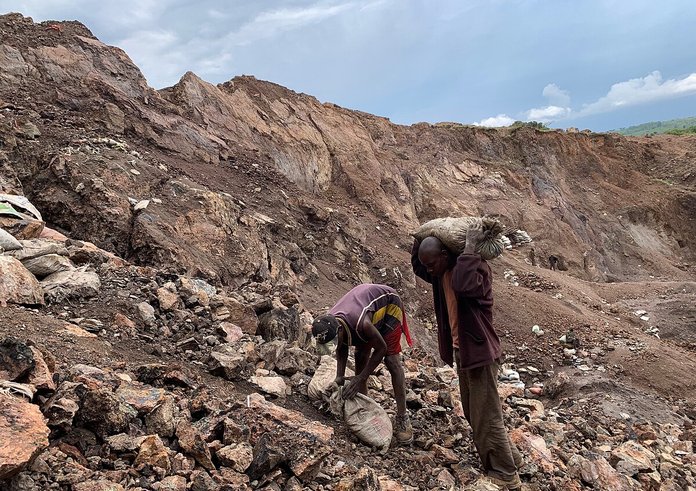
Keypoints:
pixel 341 358
pixel 468 278
pixel 418 268
pixel 375 341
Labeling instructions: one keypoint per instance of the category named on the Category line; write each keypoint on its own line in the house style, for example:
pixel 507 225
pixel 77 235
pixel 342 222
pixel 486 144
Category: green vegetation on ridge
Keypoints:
pixel 673 126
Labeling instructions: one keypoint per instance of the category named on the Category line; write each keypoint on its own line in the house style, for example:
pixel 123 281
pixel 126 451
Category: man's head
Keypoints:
pixel 434 256
pixel 325 328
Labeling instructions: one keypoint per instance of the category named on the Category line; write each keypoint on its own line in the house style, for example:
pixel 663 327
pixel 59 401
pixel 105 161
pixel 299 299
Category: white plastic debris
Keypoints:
pixel 508 374
pixel 141 205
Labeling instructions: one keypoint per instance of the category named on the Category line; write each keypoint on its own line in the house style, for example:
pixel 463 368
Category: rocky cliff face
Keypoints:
pixel 614 208
pixel 230 214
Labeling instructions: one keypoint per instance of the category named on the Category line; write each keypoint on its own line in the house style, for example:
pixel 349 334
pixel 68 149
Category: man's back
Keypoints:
pixel 381 302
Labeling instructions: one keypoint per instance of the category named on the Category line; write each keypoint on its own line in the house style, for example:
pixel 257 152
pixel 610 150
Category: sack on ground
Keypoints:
pixel 323 377
pixel 48 264
pixel 8 242
pixel 365 418
pixel 452 233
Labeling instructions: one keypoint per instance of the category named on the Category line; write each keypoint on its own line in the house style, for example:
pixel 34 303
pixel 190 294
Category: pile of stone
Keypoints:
pixel 156 427
pixel 39 265
pixel 146 429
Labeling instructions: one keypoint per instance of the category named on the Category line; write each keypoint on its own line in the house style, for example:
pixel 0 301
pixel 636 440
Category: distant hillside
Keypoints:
pixel 656 127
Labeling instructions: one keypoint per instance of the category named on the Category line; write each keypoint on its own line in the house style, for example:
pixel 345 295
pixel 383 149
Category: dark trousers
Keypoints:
pixel 479 389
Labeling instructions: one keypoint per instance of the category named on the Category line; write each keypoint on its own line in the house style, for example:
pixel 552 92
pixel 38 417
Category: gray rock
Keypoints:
pixel 146 312
pixel 161 420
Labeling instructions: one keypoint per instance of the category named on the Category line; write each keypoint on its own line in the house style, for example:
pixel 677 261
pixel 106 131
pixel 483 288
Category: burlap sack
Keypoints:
pixel 452 233
pixel 323 377
pixel 365 418
pixel 48 264
pixel 8 242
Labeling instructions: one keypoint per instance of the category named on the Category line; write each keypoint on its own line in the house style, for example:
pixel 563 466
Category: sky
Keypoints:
pixel 597 64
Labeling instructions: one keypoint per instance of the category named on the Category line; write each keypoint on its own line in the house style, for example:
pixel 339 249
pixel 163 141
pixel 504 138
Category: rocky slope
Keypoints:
pixel 226 215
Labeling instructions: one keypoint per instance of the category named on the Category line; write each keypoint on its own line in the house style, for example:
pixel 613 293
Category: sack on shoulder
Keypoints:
pixel 452 233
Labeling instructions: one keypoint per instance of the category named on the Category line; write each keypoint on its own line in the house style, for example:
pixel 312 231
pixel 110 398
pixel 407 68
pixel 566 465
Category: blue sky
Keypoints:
pixel 598 64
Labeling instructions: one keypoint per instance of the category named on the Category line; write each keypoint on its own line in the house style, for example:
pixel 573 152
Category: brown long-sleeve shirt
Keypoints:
pixel 472 283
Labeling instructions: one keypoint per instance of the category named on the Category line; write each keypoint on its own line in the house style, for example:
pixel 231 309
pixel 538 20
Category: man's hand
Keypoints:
pixel 350 390
pixel 333 387
pixel 474 235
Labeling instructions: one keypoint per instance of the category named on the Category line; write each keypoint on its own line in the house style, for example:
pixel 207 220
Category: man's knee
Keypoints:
pixel 393 363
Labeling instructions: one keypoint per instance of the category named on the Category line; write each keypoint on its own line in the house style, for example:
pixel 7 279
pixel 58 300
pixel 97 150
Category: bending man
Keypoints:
pixel 371 318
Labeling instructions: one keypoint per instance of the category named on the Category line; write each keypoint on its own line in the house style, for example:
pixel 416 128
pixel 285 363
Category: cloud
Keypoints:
pixel 636 91
pixel 633 92
pixel 548 113
pixel 495 121
pixel 556 95
pixel 270 23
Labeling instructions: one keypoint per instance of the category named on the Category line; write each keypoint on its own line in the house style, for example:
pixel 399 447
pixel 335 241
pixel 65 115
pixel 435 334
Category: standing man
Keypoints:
pixel 463 296
pixel 371 318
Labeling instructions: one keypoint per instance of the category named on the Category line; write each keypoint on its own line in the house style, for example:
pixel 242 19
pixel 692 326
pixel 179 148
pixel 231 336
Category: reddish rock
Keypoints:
pixel 535 447
pixel 100 485
pixel 364 480
pixel 631 457
pixel 237 456
pixel 141 397
pixel 168 300
pixel 153 452
pixel 232 310
pixel 22 228
pixel 444 455
pixel 41 376
pixel 17 284
pixel 23 434
pixel 193 444
pixel 506 390
pixel 231 332
pixel 597 472
pixel 172 483
pixel 122 321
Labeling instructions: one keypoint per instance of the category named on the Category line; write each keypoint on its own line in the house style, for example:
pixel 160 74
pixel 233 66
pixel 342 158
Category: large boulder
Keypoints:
pixel 77 283
pixel 232 310
pixel 282 323
pixel 17 284
pixel 292 438
pixel 23 434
